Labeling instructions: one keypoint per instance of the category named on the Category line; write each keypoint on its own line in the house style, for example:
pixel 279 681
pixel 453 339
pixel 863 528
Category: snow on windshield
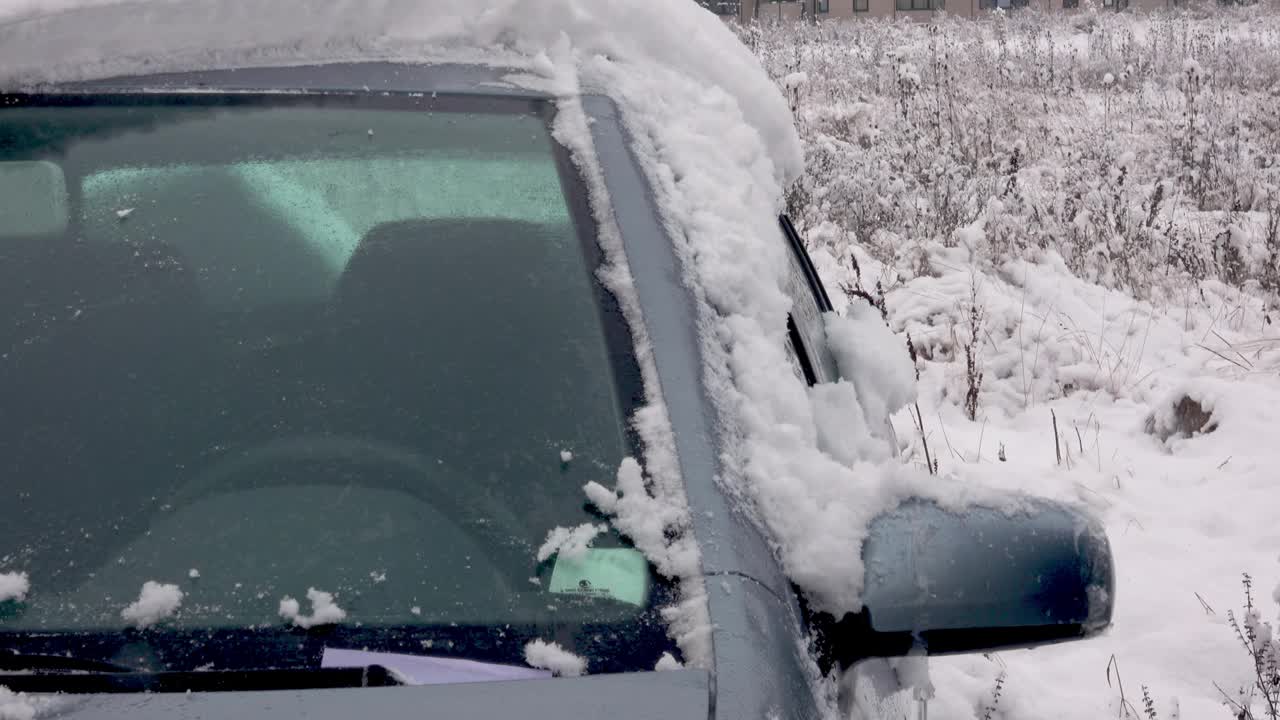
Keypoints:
pixel 655 515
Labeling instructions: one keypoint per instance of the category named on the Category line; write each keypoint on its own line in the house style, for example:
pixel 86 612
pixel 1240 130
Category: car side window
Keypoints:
pixel 806 332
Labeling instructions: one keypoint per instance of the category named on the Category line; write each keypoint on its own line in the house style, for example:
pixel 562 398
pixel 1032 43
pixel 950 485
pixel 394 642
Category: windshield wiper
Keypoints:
pixel 13 661
pixel 132 681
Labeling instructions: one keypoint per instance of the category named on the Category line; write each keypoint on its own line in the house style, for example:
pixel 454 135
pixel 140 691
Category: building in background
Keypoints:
pixel 765 10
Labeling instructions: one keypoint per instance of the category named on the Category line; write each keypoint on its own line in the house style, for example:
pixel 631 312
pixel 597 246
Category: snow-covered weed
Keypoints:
pixel 1144 151
pixel 1262 699
pixel 992 708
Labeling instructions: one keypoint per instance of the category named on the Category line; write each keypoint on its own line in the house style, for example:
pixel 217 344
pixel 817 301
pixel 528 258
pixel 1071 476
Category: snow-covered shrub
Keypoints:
pixel 1262 700
pixel 1144 150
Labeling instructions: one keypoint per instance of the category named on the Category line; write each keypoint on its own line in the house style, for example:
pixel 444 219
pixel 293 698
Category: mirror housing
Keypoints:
pixel 974 581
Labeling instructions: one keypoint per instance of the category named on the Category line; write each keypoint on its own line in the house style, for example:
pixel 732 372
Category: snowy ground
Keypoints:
pixel 1102 190
pixel 1185 517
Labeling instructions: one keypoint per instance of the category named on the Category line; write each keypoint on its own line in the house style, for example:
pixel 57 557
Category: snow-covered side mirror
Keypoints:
pixel 977 580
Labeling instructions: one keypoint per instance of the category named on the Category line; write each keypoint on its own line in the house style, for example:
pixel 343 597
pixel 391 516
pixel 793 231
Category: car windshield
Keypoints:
pixel 268 347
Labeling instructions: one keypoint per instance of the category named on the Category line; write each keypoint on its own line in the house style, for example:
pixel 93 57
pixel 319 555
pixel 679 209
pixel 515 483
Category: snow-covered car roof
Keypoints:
pixel 564 45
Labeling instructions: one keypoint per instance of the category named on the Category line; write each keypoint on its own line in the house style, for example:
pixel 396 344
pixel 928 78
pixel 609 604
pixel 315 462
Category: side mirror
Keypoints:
pixel 974 581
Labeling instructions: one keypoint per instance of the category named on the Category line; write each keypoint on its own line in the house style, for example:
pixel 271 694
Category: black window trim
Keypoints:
pixel 802 353
pixel 816 289
pixel 811 273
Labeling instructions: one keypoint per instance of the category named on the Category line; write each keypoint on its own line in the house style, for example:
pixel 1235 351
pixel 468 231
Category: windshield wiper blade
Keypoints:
pixel 203 680
pixel 13 661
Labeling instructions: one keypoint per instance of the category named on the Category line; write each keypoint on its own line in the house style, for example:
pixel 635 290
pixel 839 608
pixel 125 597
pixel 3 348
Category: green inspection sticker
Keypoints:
pixel 618 573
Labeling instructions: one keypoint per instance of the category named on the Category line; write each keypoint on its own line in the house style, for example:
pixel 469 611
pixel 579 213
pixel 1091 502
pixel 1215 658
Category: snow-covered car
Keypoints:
pixel 337 385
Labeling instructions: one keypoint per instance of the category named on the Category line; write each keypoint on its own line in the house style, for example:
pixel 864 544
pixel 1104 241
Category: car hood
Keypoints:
pixel 673 695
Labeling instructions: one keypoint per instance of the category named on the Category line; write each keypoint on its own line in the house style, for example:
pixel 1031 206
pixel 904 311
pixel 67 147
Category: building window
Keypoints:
pixel 919 4
pixel 1070 4
pixel 861 6
pixel 824 6
pixel 720 7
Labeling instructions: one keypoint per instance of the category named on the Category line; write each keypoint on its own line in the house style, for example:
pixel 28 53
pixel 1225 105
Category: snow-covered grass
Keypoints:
pixel 1144 152
pixel 1074 220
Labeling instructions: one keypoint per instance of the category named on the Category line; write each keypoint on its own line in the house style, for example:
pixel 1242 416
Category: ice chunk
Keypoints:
pixel 14 586
pixel 156 602
pixel 550 656
pixel 324 611
pixel 571 543
pixel 668 662
pixel 289 608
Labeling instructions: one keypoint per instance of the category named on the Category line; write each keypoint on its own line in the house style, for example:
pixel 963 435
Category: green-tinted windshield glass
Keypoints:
pixel 286 343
